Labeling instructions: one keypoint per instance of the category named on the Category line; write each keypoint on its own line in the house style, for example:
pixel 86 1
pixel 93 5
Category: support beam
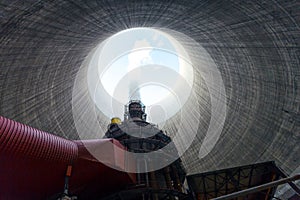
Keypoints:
pixel 281 173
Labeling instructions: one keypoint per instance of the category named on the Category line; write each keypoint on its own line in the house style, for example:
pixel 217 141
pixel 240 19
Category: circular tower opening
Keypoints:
pixel 143 64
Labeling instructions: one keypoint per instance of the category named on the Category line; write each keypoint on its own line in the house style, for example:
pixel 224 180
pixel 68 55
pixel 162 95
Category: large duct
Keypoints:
pixel 33 165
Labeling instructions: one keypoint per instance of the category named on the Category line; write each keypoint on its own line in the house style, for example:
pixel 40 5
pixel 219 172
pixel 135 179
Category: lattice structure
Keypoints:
pixel 222 182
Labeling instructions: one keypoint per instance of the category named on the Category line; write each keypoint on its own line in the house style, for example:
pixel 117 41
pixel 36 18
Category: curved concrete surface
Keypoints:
pixel 254 44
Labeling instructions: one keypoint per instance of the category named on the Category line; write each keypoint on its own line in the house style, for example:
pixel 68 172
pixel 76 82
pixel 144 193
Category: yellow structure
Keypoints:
pixel 115 120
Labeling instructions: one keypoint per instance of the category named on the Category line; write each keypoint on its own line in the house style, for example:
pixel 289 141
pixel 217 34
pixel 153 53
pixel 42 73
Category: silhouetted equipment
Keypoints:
pixel 38 165
pixel 139 136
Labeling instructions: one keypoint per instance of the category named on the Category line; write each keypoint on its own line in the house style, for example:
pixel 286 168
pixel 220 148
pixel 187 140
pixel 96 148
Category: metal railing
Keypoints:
pixel 259 188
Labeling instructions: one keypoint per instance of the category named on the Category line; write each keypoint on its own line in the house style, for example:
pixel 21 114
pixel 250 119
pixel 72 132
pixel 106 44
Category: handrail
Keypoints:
pixel 258 188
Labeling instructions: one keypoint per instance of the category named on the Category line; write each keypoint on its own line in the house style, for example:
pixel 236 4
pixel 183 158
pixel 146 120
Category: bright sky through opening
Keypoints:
pixel 146 47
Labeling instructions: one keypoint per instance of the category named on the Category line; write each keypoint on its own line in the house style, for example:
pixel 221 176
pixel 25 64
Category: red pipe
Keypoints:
pixel 33 165
pixel 20 140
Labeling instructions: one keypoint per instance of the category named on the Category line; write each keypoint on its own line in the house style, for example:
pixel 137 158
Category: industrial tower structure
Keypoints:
pixel 139 136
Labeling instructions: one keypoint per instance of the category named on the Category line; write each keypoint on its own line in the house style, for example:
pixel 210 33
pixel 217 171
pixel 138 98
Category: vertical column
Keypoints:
pixel 168 180
pixel 153 183
pixel 178 184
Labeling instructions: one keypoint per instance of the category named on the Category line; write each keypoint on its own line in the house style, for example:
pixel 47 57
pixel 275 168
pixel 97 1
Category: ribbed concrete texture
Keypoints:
pixel 254 44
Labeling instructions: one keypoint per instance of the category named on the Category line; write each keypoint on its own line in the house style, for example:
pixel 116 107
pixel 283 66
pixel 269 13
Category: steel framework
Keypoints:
pixel 223 182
